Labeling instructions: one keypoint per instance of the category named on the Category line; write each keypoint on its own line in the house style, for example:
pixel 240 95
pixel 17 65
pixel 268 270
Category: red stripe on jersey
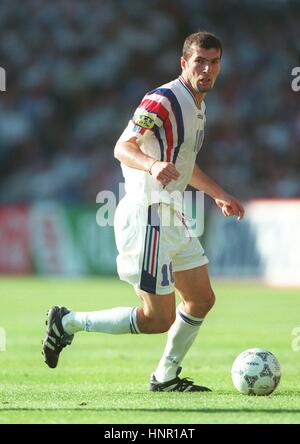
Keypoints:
pixel 155 107
pixel 169 137
pixel 154 252
pixel 163 114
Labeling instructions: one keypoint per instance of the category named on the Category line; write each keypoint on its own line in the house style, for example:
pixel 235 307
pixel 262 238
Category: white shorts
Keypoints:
pixel 150 250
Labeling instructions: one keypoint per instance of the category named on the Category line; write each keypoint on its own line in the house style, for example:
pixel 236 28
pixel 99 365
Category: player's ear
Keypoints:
pixel 182 63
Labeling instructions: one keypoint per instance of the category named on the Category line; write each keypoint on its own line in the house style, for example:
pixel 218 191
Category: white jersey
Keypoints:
pixel 169 126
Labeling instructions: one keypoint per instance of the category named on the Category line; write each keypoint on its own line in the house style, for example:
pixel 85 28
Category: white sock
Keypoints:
pixel 180 338
pixel 115 321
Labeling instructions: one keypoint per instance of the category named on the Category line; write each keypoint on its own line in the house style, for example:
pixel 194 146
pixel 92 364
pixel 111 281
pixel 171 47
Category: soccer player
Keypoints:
pixel 157 152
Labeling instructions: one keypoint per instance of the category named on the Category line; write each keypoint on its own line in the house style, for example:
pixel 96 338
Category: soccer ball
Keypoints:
pixel 256 372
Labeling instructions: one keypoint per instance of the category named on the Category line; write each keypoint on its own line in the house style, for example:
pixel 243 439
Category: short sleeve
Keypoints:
pixel 149 116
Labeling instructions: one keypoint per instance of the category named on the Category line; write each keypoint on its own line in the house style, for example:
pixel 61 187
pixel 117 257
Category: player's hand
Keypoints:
pixel 230 206
pixel 164 172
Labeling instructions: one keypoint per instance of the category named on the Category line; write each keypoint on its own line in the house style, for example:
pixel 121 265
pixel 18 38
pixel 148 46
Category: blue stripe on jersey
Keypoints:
pixel 166 92
pixel 160 141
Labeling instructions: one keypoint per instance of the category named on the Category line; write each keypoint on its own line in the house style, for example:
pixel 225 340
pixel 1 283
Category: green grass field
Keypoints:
pixel 104 379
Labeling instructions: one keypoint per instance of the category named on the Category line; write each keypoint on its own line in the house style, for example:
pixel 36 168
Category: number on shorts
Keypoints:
pixel 165 275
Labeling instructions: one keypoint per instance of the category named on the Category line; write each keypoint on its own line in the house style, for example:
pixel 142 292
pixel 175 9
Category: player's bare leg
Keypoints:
pixel 197 296
pixel 158 315
pixel 197 299
pixel 158 312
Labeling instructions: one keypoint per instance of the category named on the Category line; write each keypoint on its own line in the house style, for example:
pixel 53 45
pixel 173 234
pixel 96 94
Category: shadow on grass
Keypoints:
pixel 154 410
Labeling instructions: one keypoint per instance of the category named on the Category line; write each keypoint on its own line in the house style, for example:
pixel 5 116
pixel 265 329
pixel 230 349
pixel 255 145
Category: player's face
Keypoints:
pixel 202 68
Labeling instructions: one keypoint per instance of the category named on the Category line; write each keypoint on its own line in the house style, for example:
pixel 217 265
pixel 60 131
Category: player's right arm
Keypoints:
pixel 152 114
pixel 130 154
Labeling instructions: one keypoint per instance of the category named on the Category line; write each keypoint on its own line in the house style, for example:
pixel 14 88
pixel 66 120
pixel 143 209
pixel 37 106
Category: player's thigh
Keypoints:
pixel 195 288
pixel 129 227
pixel 158 310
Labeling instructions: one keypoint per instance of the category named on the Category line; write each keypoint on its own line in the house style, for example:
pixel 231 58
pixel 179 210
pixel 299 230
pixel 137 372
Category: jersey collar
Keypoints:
pixel 187 88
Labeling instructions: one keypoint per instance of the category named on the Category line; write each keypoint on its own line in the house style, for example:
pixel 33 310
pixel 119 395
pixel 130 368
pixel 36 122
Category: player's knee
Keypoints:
pixel 201 306
pixel 211 300
pixel 208 301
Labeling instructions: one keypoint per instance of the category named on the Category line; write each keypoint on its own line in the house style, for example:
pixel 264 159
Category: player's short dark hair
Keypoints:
pixel 202 39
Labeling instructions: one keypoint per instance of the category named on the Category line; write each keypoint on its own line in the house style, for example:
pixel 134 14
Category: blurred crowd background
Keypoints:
pixel 76 70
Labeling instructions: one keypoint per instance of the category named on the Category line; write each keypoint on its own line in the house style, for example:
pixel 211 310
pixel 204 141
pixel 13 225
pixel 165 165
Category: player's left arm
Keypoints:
pixel 229 205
